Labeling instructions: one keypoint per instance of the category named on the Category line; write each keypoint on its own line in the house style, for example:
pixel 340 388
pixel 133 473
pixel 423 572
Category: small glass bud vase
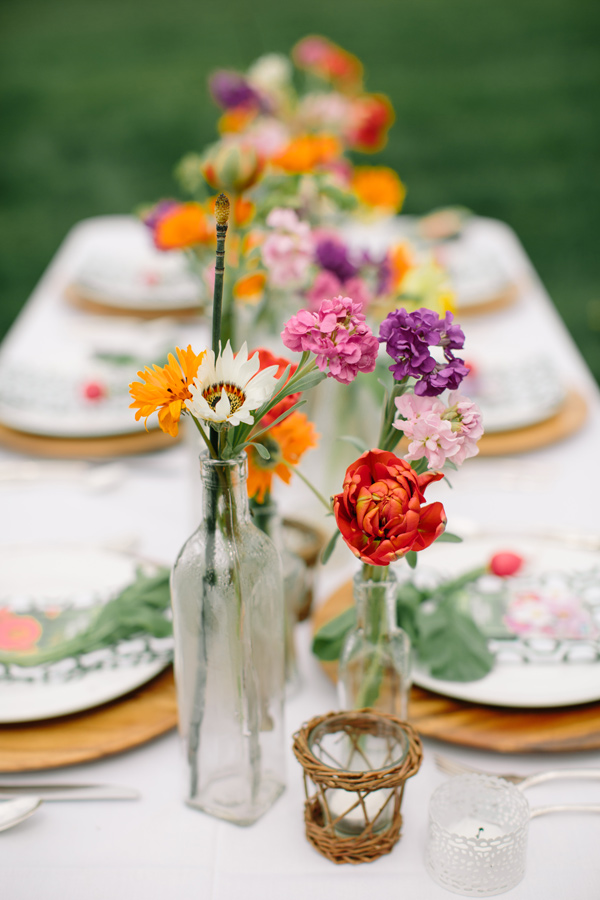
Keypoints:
pixel 374 668
pixel 227 596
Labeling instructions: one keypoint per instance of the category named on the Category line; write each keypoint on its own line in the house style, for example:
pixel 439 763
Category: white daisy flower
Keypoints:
pixel 225 392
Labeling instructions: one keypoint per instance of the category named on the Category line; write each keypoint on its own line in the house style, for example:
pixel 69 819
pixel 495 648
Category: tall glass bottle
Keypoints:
pixel 227 596
pixel 374 668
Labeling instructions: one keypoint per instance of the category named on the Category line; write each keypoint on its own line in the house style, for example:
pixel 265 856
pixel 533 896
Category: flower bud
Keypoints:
pixel 231 166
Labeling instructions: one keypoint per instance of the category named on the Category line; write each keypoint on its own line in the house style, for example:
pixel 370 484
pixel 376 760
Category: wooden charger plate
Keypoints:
pixel 111 728
pixel 86 448
pixel 569 419
pixel 485 727
pixel 501 300
pixel 91 304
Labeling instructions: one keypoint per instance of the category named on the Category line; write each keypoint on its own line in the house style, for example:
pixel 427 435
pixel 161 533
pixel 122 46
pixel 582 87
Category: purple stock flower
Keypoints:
pixel 332 255
pixel 443 376
pixel 338 335
pixel 230 89
pixel 408 337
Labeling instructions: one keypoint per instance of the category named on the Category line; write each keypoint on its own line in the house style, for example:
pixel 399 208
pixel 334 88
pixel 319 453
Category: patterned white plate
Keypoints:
pixel 515 394
pixel 541 678
pixel 139 280
pixel 64 587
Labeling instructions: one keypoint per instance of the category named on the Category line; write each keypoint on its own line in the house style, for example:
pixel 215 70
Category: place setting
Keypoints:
pixel 247 543
pixel 81 627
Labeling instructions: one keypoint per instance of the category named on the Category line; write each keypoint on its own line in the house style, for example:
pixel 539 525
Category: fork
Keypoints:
pixel 450 767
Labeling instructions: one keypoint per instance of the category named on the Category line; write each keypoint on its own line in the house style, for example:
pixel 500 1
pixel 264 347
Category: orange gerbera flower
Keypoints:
pixel 286 442
pixel 250 288
pixel 378 187
pixel 182 225
pixel 166 389
pixel 307 152
pixel 401 261
pixel 243 211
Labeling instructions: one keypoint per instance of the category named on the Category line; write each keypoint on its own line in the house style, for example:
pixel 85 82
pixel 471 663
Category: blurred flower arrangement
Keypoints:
pixel 283 156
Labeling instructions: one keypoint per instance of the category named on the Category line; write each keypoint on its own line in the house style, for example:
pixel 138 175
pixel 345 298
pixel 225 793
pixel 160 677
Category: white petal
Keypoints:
pixel 263 384
pixel 200 408
pixel 225 364
pixel 250 367
pixel 223 407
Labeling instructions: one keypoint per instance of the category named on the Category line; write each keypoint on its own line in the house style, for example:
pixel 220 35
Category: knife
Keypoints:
pixel 69 791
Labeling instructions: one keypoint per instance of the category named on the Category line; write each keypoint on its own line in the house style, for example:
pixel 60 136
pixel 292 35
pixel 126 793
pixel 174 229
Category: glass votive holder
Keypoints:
pixel 477 837
pixel 355 766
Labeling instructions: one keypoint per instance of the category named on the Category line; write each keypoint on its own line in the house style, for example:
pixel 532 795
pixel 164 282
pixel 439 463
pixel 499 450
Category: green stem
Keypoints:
pixel 389 436
pixel 218 291
pixel 208 443
pixel 308 484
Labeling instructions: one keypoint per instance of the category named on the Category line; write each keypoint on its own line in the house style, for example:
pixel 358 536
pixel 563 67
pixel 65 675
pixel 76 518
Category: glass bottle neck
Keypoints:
pixel 224 488
pixel 375 605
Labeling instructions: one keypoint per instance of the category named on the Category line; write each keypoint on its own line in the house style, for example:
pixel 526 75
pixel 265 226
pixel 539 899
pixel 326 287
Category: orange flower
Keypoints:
pixel 166 389
pixel 250 288
pixel 182 225
pixel 234 121
pixel 307 152
pixel 243 211
pixel 286 443
pixel 378 187
pixel 401 262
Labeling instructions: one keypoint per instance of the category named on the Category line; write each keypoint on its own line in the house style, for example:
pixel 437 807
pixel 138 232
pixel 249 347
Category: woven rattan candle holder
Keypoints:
pixel 355 767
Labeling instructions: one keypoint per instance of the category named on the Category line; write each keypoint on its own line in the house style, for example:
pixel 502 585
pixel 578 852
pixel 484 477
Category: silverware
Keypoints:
pixel 50 792
pixel 17 810
pixel 450 767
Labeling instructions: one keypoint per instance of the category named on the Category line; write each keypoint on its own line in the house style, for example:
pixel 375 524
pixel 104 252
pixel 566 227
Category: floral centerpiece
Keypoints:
pixel 283 156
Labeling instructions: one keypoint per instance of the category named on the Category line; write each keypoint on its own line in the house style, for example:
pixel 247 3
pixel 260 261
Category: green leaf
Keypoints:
pixel 411 558
pixel 356 442
pixel 138 609
pixel 330 546
pixel 452 645
pixel 446 537
pixel 329 640
pixel 260 449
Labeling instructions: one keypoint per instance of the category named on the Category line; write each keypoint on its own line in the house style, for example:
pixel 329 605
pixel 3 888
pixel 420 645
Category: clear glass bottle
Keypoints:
pixel 227 595
pixel 374 668
pixel 267 518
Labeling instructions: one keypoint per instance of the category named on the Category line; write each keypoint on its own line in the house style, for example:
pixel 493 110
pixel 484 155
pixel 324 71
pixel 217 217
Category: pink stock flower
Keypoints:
pixel 465 417
pixel 437 432
pixel 338 336
pixel 287 252
pixel 327 285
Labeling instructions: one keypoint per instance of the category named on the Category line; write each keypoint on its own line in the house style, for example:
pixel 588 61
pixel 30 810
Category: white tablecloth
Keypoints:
pixel 156 847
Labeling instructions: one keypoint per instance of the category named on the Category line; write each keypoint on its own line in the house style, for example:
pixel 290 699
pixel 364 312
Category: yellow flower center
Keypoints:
pixel 236 396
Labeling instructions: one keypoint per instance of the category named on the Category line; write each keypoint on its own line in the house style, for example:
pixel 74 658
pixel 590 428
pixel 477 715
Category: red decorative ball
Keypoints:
pixel 93 390
pixel 506 563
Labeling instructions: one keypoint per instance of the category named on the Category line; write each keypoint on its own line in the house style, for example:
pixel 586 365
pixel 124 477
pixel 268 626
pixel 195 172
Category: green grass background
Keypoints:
pixel 497 109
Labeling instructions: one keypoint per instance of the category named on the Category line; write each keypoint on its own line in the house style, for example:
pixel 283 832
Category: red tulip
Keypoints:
pixel 379 511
